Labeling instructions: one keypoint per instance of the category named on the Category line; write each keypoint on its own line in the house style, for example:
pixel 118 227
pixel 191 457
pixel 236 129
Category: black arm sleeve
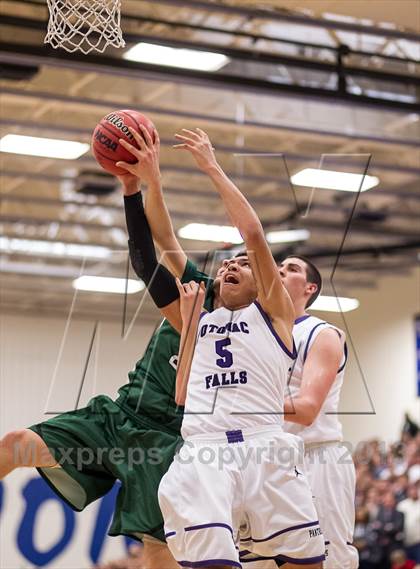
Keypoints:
pixel 159 281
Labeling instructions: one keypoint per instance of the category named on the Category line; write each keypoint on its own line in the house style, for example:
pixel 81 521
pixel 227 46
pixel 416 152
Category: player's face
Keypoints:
pixel 294 277
pixel 237 283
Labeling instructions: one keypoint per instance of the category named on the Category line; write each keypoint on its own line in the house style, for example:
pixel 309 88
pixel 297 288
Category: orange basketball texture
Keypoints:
pixel 105 139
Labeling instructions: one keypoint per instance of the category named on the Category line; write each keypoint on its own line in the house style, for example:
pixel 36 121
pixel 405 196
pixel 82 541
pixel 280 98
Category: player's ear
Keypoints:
pixel 311 288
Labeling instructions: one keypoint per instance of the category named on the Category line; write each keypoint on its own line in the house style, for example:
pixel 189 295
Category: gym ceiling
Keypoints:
pixel 321 83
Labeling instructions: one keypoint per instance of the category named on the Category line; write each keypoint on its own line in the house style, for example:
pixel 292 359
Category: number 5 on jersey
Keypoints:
pixel 226 358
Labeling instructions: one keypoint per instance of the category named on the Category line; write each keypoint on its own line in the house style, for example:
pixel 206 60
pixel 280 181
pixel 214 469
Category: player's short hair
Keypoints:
pixel 312 276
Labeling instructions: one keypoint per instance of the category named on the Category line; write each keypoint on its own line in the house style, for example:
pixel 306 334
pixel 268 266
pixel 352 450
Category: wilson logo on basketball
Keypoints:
pixel 105 140
pixel 118 122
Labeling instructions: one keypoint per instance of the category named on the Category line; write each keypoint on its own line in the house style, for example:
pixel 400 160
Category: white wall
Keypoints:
pixel 382 330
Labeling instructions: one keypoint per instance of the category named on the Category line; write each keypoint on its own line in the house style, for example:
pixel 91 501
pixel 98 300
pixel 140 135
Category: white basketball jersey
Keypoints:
pixel 239 373
pixel 326 426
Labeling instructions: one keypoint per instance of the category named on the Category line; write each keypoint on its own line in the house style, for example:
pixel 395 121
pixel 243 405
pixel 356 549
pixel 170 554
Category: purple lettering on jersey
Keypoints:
pixel 226 357
pixel 223 330
pixel 216 382
pixel 203 330
pixel 244 327
pixel 224 380
pixel 243 377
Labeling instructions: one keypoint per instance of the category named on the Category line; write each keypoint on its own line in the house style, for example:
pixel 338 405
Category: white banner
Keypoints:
pixel 37 529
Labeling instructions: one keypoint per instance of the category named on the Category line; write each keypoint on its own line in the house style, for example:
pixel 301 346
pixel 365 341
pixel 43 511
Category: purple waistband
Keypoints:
pixel 209 562
pixel 235 436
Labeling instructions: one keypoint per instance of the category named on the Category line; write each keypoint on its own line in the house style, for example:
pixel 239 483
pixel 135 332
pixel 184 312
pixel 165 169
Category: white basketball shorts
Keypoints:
pixel 218 481
pixel 331 475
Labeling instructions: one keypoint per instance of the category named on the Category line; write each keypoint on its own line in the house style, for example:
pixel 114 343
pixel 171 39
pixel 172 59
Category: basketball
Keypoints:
pixel 105 140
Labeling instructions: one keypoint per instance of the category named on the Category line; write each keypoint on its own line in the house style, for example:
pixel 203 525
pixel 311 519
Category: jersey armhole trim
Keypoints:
pixel 305 353
pixel 346 353
pixel 292 355
pixel 302 318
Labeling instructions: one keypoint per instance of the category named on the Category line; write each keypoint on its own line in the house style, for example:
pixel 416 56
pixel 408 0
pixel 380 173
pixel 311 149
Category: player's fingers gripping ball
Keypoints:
pixel 115 126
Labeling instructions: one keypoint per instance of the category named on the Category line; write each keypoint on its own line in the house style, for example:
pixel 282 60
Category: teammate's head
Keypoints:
pixel 301 279
pixel 237 286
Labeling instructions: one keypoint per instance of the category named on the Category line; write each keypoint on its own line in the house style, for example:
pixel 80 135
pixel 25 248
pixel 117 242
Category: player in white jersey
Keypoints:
pixel 237 463
pixel 312 413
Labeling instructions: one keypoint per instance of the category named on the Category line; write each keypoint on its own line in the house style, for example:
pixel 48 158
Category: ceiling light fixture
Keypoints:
pixel 44 147
pixel 176 57
pixel 205 232
pixel 108 284
pixel 54 248
pixel 288 236
pixel 332 180
pixel 335 304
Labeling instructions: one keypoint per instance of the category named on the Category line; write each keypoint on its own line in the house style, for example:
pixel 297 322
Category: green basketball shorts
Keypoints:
pixel 102 443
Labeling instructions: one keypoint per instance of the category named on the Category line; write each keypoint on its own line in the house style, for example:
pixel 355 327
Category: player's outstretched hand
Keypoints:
pixel 192 297
pixel 198 143
pixel 147 154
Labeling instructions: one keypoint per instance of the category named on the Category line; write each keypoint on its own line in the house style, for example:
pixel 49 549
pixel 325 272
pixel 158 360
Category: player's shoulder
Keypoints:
pixel 309 329
pixel 308 323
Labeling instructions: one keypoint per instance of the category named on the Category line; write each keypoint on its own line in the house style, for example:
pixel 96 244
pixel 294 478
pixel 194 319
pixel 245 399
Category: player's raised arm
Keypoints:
pixel 319 373
pixel 159 281
pixel 271 293
pixel 147 169
pixel 192 297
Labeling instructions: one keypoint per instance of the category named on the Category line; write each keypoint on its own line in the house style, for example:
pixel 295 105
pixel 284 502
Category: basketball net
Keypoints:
pixel 84 25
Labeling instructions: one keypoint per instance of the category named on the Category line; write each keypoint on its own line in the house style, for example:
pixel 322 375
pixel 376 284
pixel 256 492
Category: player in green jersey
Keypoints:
pixel 133 439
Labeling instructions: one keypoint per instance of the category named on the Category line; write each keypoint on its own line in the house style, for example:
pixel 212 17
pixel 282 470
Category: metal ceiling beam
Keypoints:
pixel 396 193
pixel 283 15
pixel 10 235
pixel 169 191
pixel 263 57
pixel 44 95
pixel 236 33
pixel 42 55
pixel 289 156
pixel 261 37
pixel 373 250
pixel 357 227
pixel 253 56
pixel 166 168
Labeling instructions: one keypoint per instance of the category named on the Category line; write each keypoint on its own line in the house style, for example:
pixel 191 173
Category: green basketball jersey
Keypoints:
pixel 150 394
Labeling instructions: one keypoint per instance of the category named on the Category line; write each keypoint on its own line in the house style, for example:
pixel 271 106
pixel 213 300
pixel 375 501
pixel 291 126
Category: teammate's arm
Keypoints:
pixel 319 371
pixel 192 298
pixel 147 169
pixel 271 292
